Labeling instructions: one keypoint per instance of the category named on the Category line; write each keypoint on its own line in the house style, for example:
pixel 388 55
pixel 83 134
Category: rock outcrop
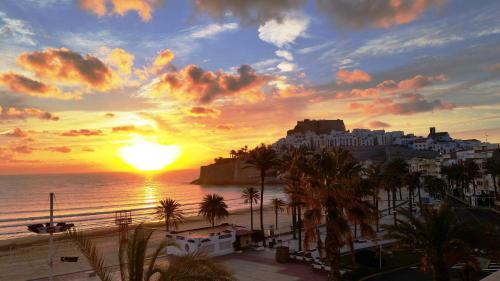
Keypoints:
pixel 317 126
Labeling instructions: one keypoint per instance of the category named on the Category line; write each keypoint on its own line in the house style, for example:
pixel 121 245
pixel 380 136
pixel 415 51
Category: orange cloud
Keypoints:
pixel 380 13
pixel 393 87
pixel 125 128
pixel 162 59
pixel 109 114
pixel 25 113
pixel 378 124
pixel 199 111
pixel 23 85
pixel 405 104
pixel 60 149
pixel 82 132
pixel 225 127
pixel 144 8
pixel 17 133
pixel 63 65
pixel 194 83
pixel 24 149
pixel 355 76
pixel 123 60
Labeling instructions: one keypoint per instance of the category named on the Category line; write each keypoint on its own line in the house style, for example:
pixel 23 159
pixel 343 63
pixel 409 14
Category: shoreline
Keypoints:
pixel 98 232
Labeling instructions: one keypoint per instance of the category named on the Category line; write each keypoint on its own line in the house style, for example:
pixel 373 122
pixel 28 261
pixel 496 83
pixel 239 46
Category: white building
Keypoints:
pixel 212 241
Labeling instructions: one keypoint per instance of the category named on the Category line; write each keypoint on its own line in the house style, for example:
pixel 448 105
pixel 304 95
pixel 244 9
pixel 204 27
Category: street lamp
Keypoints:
pixel 50 228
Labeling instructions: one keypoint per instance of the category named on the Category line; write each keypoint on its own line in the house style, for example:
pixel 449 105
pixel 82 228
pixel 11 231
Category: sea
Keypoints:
pixel 90 200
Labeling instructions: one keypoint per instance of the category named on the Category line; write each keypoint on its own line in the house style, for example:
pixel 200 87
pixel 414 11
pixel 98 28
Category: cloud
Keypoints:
pixel 60 149
pixel 378 14
pixel 162 59
pixel 406 104
pixel 285 32
pixel 354 76
pixel 25 113
pixel 203 86
pixel 225 127
pixel 378 124
pixel 16 31
pixel 286 66
pixel 16 133
pixel 199 111
pixel 23 85
pixel 249 11
pixel 64 65
pixel 125 128
pixel 24 149
pixel 211 30
pixel 87 149
pixel 284 54
pixel 392 87
pixel 144 8
pixel 109 114
pixel 123 60
pixel 82 132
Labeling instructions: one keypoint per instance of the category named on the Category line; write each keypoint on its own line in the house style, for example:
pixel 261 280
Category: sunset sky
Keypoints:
pixel 81 80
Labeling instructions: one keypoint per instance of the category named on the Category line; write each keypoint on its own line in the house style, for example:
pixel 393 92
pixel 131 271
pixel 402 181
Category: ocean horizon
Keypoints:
pixel 89 200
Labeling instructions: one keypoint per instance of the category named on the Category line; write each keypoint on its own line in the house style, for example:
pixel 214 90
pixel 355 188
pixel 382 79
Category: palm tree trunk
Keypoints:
pixel 495 184
pixel 300 227
pixel 332 253
pixel 440 272
pixel 400 194
pixel 294 223
pixel 276 214
pixel 377 221
pixel 388 201
pixel 410 199
pixel 262 177
pixel 355 229
pixel 419 196
pixel 251 215
pixel 166 223
pixel 394 206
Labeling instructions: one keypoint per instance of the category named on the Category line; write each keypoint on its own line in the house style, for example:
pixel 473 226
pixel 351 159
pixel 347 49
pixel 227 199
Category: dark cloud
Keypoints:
pixel 248 11
pixel 23 85
pixel 406 104
pixel 64 65
pixel 199 111
pixel 379 13
pixel 203 86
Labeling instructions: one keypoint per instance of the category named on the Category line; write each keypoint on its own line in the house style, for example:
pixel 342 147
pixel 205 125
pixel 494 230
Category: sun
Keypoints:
pixel 149 156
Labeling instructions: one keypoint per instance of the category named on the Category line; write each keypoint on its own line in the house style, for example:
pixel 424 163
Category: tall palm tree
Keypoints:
pixel 278 206
pixel 438 235
pixel 295 193
pixel 264 159
pixel 334 174
pixel 394 173
pixel 472 171
pixel 134 267
pixel 213 208
pixel 493 169
pixel 251 196
pixel 170 210
pixel 412 180
pixel 375 177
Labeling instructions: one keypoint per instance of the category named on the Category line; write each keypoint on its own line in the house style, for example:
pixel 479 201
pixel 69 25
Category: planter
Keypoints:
pixel 282 254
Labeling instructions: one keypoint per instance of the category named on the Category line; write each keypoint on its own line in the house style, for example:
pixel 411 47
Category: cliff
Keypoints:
pixel 317 126
pixel 231 171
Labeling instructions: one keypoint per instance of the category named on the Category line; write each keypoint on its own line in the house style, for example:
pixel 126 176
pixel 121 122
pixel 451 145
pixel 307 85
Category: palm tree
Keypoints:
pixel 394 173
pixel 251 196
pixel 472 171
pixel 133 265
pixel 333 175
pixel 437 235
pixel 213 208
pixel 264 159
pixel 412 180
pixel 170 210
pixel 493 168
pixel 278 206
pixel 375 177
pixel 295 193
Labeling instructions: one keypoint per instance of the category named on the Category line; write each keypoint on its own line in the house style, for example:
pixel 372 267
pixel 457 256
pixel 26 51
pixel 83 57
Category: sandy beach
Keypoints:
pixel 26 258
